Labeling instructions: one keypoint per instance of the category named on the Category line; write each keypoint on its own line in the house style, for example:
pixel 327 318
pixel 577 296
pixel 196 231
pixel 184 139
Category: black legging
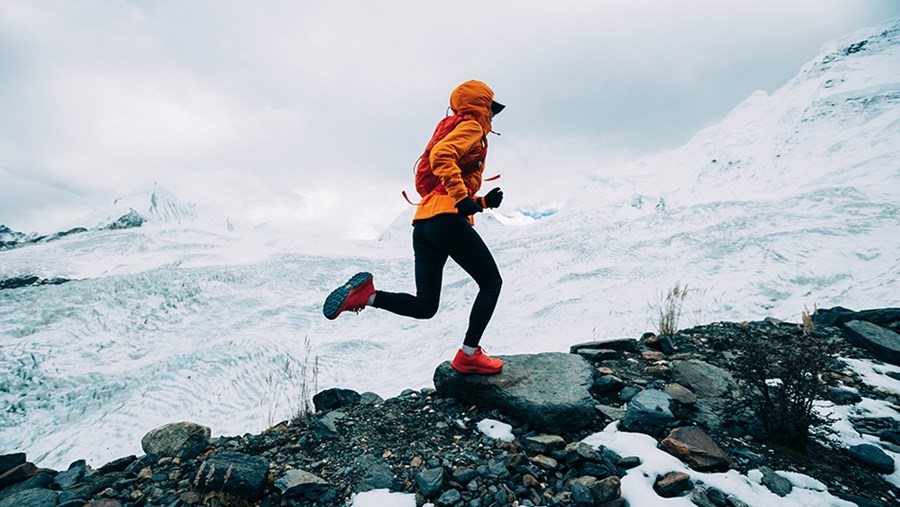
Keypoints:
pixel 434 240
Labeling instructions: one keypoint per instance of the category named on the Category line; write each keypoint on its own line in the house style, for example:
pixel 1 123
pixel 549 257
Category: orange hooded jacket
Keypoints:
pixel 462 146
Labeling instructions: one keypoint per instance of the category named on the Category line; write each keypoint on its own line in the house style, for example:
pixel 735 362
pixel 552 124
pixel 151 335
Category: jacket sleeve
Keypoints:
pixel 446 154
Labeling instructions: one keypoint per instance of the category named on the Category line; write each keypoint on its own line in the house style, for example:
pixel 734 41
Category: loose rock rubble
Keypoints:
pixel 678 389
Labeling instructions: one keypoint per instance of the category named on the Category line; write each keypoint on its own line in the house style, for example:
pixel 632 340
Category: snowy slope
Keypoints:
pixel 792 200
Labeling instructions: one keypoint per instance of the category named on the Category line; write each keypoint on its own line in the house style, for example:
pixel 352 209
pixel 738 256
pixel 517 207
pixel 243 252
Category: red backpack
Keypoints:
pixel 426 181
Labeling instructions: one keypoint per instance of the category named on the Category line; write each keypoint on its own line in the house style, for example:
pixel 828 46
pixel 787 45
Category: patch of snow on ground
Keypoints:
pixel 847 434
pixel 875 374
pixel 383 498
pixel 496 429
pixel 637 485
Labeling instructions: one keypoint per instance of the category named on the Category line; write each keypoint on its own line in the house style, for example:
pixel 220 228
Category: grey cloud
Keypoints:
pixel 333 101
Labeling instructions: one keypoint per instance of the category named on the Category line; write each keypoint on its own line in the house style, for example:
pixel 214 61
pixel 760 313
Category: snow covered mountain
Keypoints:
pixel 157 207
pixel 790 201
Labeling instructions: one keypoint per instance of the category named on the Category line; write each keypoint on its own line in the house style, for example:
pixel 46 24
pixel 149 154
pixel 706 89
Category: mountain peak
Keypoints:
pixel 159 206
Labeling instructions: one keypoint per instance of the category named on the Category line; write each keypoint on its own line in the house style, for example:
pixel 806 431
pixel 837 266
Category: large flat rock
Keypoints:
pixel 550 390
pixel 882 343
pixel 839 315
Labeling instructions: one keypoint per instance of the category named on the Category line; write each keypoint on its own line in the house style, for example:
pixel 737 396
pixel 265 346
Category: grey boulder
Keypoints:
pixel 550 391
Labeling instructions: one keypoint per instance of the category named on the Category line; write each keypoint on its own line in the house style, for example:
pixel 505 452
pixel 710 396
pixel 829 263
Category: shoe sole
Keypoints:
pixel 336 299
pixel 478 371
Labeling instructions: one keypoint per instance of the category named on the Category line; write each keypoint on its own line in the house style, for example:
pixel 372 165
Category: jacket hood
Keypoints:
pixel 474 98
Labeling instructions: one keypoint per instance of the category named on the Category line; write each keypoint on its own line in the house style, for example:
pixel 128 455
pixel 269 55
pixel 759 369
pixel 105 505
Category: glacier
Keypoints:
pixel 791 201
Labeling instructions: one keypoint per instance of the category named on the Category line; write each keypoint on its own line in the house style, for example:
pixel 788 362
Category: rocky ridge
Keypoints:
pixel 678 389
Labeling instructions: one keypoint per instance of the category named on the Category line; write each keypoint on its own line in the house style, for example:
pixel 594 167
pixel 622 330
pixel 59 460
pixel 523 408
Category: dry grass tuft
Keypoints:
pixel 667 309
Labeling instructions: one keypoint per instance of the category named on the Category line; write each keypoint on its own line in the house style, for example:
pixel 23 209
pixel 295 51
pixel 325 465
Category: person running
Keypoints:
pixel 448 178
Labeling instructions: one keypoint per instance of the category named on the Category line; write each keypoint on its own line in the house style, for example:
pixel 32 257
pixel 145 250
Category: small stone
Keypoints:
pixel 649 412
pixel 430 481
pixel 717 497
pixel 105 502
pixel 498 468
pixel 370 398
pixel 681 394
pixel 182 440
pixel 703 378
pixel 672 484
pixel 118 465
pixel 464 475
pixel 607 489
pixel 628 393
pixel 597 355
pixel 629 462
pixel 70 477
pixel 667 344
pixel 693 446
pixel 872 456
pixel 653 355
pixel 621 344
pixel 190 497
pixel 578 452
pixel 331 399
pixel 545 462
pixel 302 484
pixel 581 495
pixel 610 412
pixel 775 483
pixel 544 443
pixel 237 474
pixel 377 476
pixel 326 426
pixel 607 384
pixel 450 497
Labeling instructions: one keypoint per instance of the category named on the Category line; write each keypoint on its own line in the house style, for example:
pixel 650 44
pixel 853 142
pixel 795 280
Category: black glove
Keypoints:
pixel 468 206
pixel 493 198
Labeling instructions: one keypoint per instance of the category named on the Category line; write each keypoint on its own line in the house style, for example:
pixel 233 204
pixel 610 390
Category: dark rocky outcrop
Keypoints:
pixel 839 315
pixel 549 391
pixel 18 282
pixel 10 239
pixel 129 220
pixel 882 343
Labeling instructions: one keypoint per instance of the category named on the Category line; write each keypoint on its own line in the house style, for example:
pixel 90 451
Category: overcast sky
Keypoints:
pixel 309 115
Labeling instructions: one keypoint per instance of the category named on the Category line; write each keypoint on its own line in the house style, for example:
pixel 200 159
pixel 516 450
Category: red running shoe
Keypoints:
pixel 479 362
pixel 351 296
